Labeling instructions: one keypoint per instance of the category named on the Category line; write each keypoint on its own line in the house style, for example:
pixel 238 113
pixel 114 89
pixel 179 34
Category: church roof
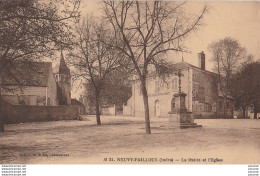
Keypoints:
pixel 61 67
pixel 27 74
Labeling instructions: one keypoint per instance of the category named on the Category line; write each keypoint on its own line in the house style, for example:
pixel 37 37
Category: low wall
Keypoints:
pixel 24 113
pixel 81 109
pixel 211 115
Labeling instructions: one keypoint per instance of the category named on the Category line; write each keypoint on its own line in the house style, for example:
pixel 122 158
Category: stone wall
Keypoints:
pixel 24 113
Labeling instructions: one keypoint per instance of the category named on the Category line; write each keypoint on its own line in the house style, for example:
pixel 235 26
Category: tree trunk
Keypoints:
pixel 255 110
pixel 146 108
pixel 2 129
pixel 1 114
pixel 97 109
pixel 244 113
pixel 224 104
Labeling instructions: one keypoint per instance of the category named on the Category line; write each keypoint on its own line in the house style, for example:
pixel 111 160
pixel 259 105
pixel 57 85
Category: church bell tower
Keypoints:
pixel 63 80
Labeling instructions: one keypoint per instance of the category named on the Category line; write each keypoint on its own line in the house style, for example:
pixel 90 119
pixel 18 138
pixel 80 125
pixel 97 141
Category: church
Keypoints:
pixel 41 85
pixel 203 97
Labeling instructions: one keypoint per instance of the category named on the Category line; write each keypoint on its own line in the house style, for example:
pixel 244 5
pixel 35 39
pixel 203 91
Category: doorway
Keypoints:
pixel 157 108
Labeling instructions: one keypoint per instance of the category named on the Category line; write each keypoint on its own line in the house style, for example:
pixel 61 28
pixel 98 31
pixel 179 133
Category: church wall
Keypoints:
pixel 28 95
pixel 31 95
pixel 64 83
pixel 52 90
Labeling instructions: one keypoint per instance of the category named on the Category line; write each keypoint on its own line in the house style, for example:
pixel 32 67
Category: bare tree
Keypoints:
pixel 30 30
pixel 148 30
pixel 93 59
pixel 228 57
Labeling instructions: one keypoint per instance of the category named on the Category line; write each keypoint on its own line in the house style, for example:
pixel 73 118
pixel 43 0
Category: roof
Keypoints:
pixel 76 102
pixel 180 66
pixel 184 65
pixel 27 74
pixel 61 66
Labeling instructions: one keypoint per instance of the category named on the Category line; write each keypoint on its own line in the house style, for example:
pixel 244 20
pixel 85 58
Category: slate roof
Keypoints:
pixel 27 74
pixel 180 66
pixel 61 67
pixel 184 65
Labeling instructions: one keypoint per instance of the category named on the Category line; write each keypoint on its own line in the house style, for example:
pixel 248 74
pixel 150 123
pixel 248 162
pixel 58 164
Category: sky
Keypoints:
pixel 237 19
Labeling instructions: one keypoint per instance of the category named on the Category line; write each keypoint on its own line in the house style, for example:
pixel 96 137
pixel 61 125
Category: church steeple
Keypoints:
pixel 63 79
pixel 62 61
pixel 61 67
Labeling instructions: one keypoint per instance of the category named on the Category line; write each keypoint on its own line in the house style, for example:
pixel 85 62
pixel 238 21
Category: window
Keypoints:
pixel 220 105
pixel 201 107
pixel 227 105
pixel 208 107
pixel 175 83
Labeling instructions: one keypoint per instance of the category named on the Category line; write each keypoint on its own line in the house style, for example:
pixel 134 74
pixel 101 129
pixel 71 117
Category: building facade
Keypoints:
pixel 39 86
pixel 200 86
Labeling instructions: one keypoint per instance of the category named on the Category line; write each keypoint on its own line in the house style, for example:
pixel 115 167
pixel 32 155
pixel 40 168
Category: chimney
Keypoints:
pixel 201 60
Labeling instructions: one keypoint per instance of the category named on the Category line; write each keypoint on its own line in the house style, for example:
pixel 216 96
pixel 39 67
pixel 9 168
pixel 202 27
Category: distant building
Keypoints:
pixel 80 105
pixel 203 97
pixel 39 85
pixel 89 107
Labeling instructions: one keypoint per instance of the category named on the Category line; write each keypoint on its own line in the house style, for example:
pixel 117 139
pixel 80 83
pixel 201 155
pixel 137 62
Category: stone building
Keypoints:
pixel 38 85
pixel 203 97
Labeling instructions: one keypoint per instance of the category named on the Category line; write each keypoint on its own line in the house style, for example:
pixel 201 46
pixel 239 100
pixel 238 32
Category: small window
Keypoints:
pixel 220 104
pixel 228 106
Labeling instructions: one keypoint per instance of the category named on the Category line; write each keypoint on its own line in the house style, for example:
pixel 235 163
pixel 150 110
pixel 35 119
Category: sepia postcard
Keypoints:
pixel 129 82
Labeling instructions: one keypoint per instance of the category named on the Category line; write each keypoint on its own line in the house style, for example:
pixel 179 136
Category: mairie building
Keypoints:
pixel 203 98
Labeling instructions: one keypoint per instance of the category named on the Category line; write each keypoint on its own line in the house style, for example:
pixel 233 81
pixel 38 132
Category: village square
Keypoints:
pixel 129 85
